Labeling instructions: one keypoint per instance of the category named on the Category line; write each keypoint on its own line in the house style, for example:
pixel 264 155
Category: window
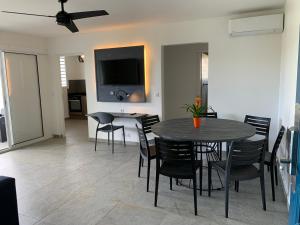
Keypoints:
pixel 63 73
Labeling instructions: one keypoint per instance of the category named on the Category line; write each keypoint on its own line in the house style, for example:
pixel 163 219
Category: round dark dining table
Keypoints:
pixel 210 130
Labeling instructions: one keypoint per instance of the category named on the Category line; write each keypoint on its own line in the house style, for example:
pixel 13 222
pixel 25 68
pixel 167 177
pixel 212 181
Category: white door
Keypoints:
pixel 24 102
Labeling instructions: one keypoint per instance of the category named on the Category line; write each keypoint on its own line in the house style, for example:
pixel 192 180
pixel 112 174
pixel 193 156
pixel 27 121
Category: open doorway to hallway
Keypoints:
pixel 185 76
pixel 74 97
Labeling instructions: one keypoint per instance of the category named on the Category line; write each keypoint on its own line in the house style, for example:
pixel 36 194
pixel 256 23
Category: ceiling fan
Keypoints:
pixel 66 19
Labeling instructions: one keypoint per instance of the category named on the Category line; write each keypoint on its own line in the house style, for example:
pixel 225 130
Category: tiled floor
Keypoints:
pixel 65 182
pixel 3 145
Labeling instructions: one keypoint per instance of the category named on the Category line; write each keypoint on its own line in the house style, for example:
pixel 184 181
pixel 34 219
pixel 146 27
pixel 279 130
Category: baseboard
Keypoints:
pixel 58 136
pixel 116 141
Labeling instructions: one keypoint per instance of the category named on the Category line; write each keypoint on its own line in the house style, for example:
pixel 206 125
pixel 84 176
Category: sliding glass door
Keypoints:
pixel 23 96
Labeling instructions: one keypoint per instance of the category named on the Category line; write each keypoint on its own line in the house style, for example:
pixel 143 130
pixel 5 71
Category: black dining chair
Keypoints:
pixel 270 160
pixel 209 148
pixel 106 119
pixel 209 115
pixel 262 126
pixel 147 122
pixel 240 166
pixel 176 159
pixel 212 150
pixel 147 152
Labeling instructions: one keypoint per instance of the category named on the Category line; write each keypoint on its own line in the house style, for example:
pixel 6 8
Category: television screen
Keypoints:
pixel 120 72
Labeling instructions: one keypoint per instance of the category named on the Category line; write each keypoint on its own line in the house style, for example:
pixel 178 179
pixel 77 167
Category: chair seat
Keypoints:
pixel 109 128
pixel 179 169
pixel 238 172
pixel 268 157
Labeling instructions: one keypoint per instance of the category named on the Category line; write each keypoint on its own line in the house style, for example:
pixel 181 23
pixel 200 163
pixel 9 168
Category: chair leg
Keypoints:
pixel 236 185
pixel 200 177
pixel 226 196
pixel 227 148
pixel 171 184
pixel 108 141
pixel 220 150
pixel 156 187
pixel 124 136
pixel 140 164
pixel 195 194
pixel 148 173
pixel 276 177
pixel 96 140
pixel 112 143
pixel 263 193
pixel 209 178
pixel 272 182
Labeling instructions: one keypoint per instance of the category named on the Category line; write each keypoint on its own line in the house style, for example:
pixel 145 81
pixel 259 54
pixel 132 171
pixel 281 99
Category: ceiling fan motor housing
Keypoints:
pixel 62 18
pixel 62 1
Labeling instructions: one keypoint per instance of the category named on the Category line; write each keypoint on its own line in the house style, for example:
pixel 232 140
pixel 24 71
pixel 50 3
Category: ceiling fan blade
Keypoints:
pixel 27 14
pixel 72 27
pixel 87 14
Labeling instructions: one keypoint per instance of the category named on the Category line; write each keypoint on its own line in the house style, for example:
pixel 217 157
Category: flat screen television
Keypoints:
pixel 121 72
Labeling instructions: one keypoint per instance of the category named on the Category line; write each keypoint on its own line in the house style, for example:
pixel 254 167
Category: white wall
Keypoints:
pixel 22 43
pixel 288 75
pixel 289 63
pixel 29 44
pixel 75 69
pixel 65 101
pixel 243 71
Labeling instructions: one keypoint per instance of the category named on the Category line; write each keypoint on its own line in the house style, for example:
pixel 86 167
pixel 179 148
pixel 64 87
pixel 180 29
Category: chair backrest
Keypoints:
pixel 144 146
pixel 167 150
pixel 245 152
pixel 209 115
pixel 262 124
pixel 149 121
pixel 277 142
pixel 103 118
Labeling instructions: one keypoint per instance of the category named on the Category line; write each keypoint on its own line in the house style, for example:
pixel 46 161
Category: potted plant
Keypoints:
pixel 196 109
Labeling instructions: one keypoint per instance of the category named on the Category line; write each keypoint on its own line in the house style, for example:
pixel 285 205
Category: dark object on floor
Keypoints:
pixel 3 137
pixel 240 165
pixel 176 159
pixel 270 160
pixel 106 119
pixel 8 202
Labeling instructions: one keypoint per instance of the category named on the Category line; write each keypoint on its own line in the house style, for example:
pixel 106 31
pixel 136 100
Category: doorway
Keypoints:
pixel 73 84
pixel 21 119
pixel 185 76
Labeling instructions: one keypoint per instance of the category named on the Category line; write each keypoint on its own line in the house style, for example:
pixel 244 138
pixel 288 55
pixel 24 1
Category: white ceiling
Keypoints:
pixel 122 12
